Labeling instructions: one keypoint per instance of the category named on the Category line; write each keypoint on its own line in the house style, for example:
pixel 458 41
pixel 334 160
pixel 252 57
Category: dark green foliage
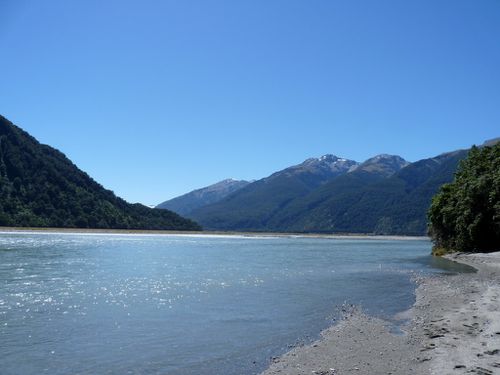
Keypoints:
pixel 40 187
pixel 465 214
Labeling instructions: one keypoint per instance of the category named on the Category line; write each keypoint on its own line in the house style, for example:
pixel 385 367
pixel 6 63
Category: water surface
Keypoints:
pixel 139 304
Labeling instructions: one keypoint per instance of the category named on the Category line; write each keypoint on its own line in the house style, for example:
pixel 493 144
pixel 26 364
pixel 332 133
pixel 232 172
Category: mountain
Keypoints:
pixel 252 207
pixel 396 204
pixel 299 215
pixel 383 195
pixel 41 187
pixel 186 203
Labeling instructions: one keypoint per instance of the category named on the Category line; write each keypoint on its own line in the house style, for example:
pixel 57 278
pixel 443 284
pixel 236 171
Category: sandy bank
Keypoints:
pixel 454 328
pixel 353 236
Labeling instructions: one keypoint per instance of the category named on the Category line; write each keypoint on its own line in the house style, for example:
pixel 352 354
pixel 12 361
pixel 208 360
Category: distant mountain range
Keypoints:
pixel 383 195
pixel 250 207
pixel 41 187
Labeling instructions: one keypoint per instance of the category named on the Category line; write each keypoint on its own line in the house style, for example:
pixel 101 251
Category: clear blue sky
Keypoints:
pixel 156 98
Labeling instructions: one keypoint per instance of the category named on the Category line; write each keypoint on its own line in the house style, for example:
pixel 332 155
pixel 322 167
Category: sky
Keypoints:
pixel 156 98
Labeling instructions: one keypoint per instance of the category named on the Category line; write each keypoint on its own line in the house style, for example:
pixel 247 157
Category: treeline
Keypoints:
pixel 41 187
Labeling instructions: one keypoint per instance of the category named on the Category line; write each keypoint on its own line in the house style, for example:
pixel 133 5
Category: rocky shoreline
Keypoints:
pixel 453 328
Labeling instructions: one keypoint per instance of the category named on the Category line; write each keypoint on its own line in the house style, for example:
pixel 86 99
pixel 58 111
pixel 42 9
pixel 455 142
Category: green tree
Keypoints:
pixel 465 214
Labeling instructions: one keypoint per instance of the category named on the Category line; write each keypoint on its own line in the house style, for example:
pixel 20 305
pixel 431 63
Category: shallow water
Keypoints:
pixel 139 304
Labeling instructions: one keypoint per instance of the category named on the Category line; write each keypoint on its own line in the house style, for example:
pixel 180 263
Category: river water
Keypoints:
pixel 166 304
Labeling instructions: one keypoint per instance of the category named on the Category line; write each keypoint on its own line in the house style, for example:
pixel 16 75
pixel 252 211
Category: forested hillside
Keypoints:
pixel 41 187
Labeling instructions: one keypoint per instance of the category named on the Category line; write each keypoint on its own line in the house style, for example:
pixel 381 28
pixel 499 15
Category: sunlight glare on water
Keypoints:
pixel 116 304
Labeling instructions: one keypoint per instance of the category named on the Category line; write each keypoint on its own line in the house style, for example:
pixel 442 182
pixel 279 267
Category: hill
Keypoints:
pixel 195 199
pixel 41 187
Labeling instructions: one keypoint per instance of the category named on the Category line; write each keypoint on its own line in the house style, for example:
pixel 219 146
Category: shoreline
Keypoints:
pixel 354 236
pixel 453 328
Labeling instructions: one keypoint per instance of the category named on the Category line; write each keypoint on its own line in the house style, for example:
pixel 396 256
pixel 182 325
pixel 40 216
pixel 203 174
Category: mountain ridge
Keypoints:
pixel 384 194
pixel 251 207
pixel 256 207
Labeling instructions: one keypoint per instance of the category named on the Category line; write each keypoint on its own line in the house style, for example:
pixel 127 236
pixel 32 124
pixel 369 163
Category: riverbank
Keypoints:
pixel 354 236
pixel 453 328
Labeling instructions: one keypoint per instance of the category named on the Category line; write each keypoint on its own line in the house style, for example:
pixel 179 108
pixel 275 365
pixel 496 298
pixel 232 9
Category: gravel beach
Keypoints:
pixel 453 328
